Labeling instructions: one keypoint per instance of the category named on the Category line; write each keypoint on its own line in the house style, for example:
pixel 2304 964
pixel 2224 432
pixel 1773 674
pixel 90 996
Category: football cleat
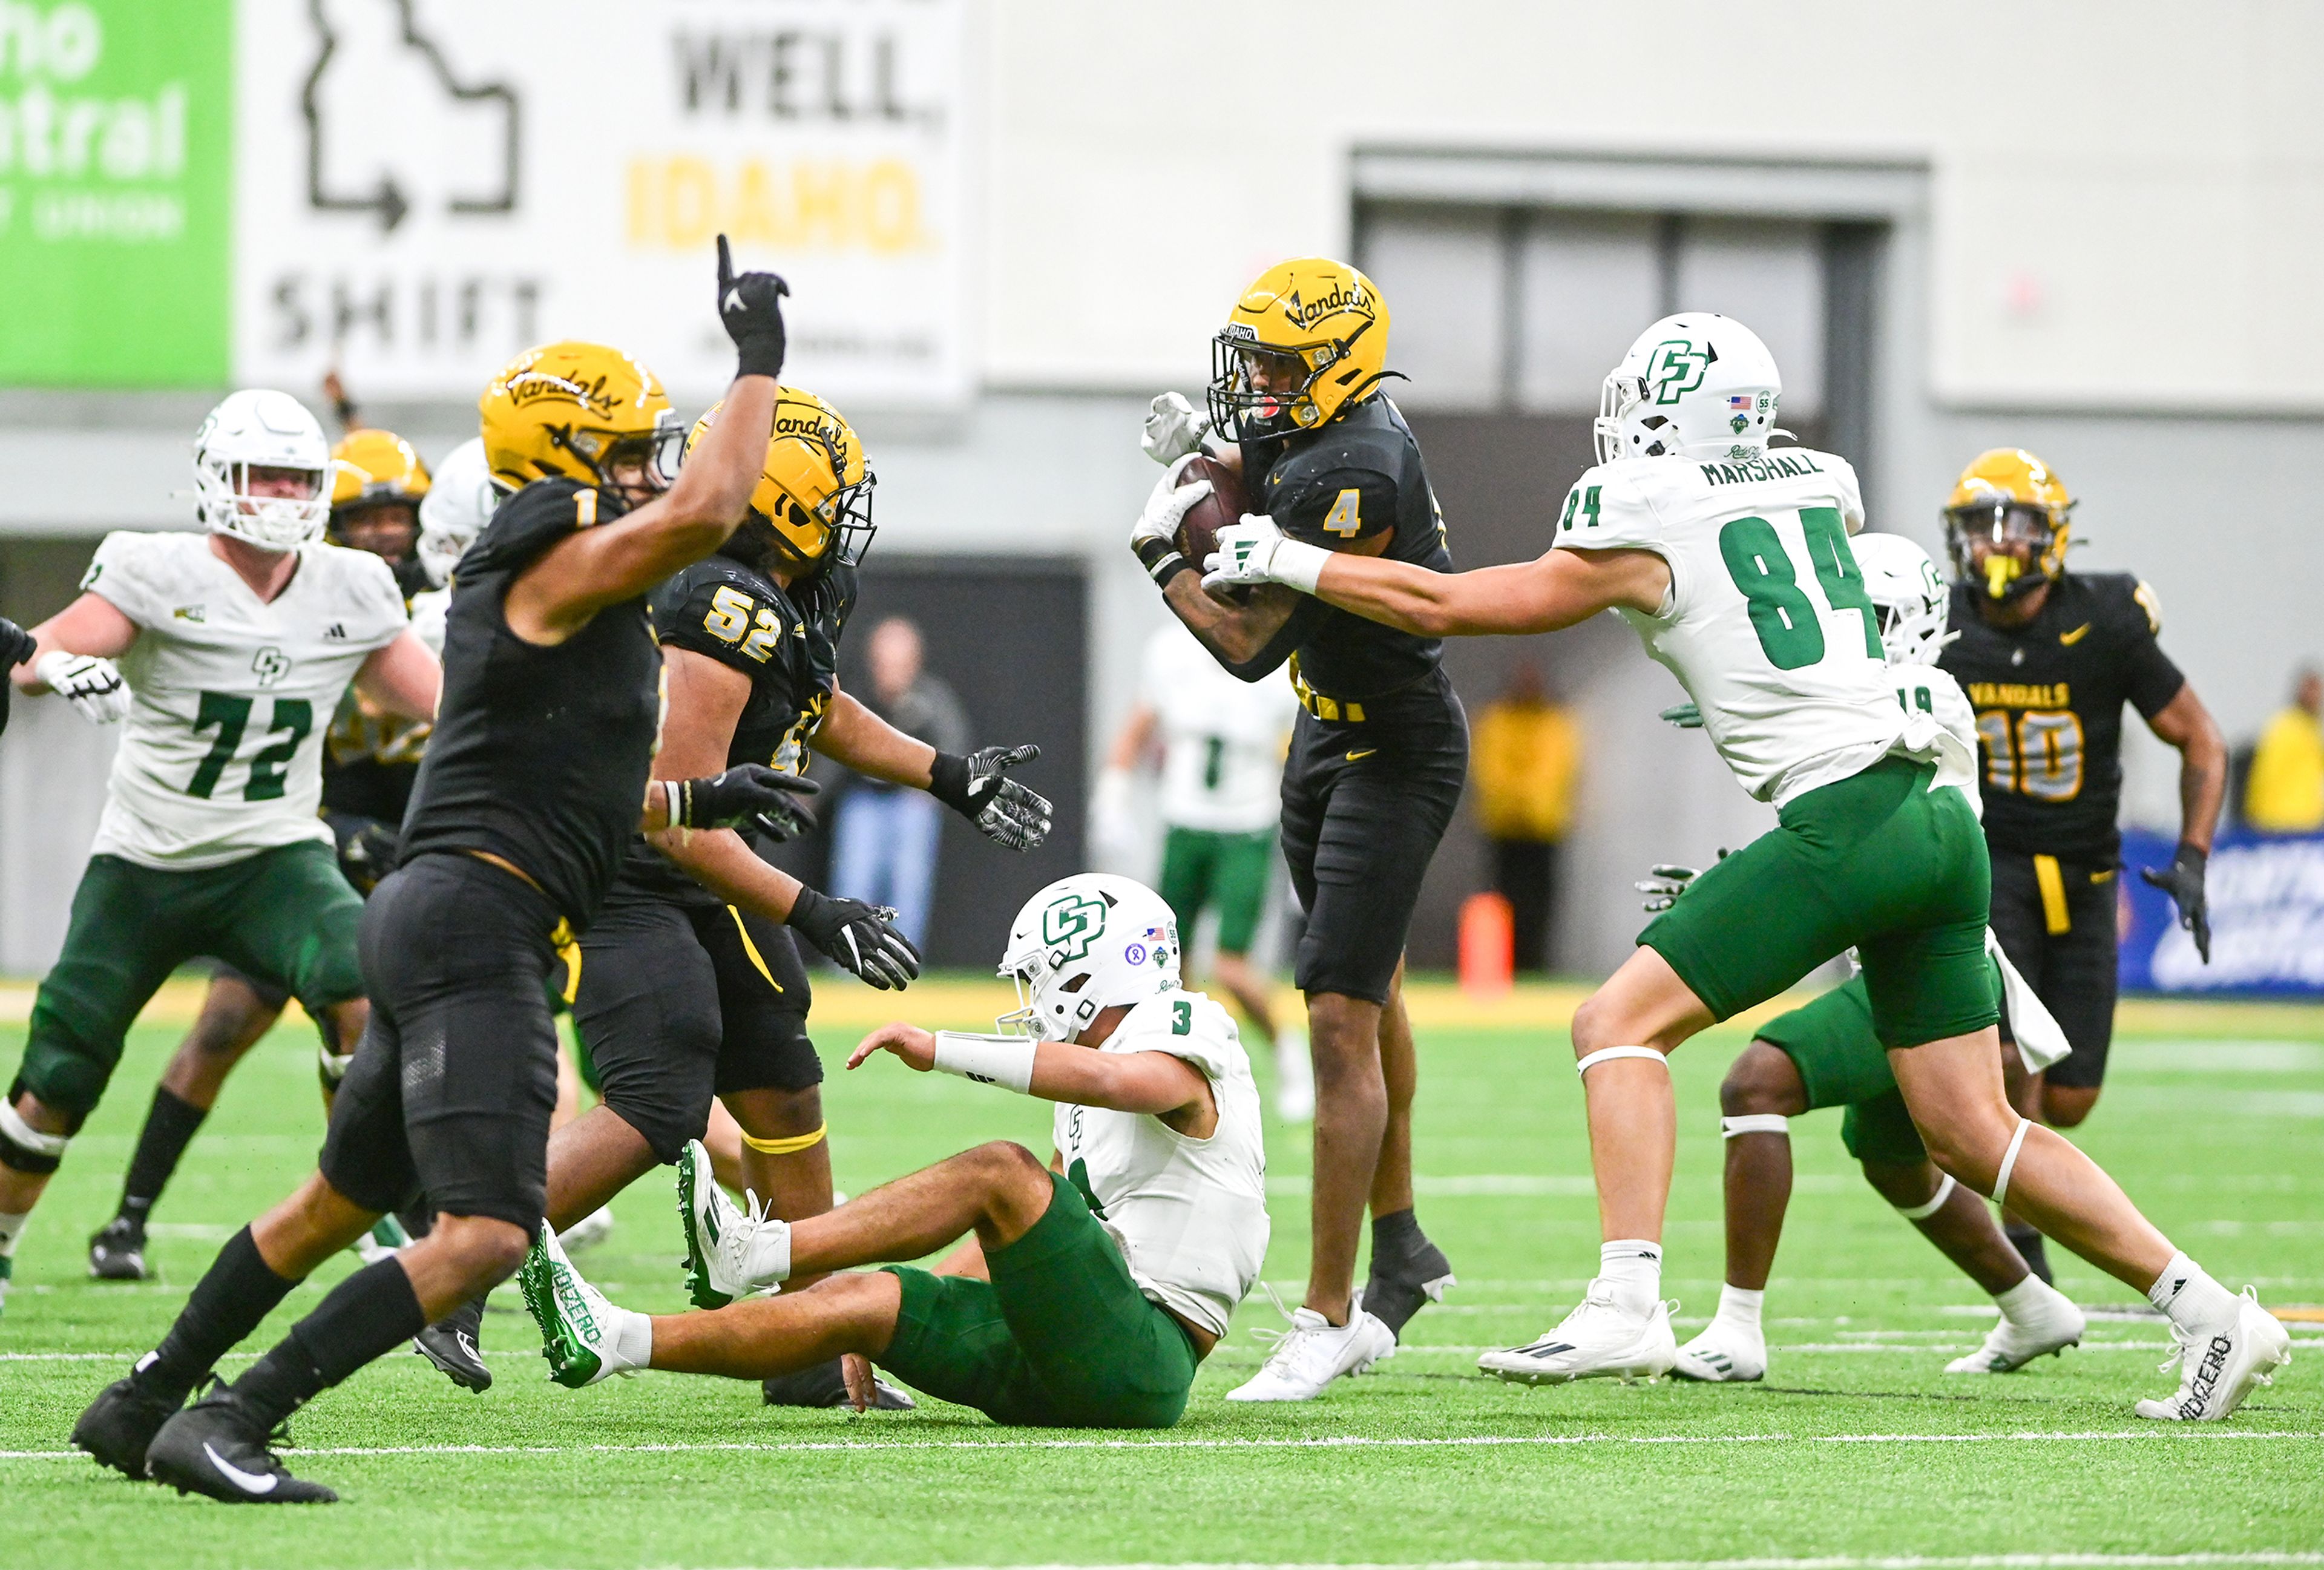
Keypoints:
pixel 579 1328
pixel 730 1252
pixel 120 1424
pixel 2217 1371
pixel 1599 1340
pixel 452 1345
pixel 826 1386
pixel 589 1231
pixel 2054 1326
pixel 1315 1352
pixel 1724 1353
pixel 1397 1289
pixel 386 1235
pixel 215 1448
pixel 118 1252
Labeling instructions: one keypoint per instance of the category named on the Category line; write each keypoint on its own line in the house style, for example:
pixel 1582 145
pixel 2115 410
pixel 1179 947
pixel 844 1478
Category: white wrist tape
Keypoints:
pixel 671 798
pixel 1755 1123
pixel 1298 565
pixel 1006 1061
pixel 1604 1053
pixel 1936 1202
pixel 2009 1162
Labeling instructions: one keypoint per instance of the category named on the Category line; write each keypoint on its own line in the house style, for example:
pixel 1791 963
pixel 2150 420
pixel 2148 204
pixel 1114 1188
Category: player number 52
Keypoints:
pixel 733 613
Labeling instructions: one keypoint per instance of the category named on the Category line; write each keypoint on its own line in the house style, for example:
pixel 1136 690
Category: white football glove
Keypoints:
pixel 89 684
pixel 1166 506
pixel 1255 551
pixel 1174 428
pixel 1663 885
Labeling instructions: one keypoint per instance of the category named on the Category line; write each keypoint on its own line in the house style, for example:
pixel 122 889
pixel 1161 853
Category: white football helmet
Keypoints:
pixel 456 509
pixel 257 429
pixel 1693 385
pixel 1084 944
pixel 1915 604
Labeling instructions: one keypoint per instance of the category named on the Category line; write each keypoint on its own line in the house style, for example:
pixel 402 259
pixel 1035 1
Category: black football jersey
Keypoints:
pixel 1358 477
pixel 786 643
pixel 2049 698
pixel 541 753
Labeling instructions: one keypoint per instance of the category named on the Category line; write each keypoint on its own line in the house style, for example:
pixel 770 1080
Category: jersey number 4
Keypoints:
pixel 1789 632
pixel 229 716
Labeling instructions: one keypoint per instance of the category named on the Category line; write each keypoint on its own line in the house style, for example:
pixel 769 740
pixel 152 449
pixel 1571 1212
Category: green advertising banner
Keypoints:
pixel 116 138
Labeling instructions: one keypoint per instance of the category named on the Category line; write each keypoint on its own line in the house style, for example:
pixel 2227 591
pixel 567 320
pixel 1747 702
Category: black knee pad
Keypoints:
pixel 24 1148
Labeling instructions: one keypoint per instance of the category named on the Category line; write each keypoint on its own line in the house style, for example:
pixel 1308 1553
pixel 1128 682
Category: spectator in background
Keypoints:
pixel 885 836
pixel 2285 794
pixel 1524 758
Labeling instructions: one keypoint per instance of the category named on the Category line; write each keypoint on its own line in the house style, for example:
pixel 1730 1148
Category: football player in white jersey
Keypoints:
pixel 1731 561
pixel 1222 743
pixel 1083 1293
pixel 1827 1054
pixel 226 653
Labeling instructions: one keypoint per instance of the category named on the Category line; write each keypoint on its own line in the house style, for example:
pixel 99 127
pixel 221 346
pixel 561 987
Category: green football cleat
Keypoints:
pixel 581 1333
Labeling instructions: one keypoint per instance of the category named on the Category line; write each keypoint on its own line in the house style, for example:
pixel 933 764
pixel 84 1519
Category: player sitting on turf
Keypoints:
pixel 1089 1292
pixel 1827 1055
pixel 236 647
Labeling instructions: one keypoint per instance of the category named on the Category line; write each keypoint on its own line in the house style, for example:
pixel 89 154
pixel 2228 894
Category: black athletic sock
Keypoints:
pixel 162 1143
pixel 1395 1234
pixel 365 1316
pixel 2032 1246
pixel 227 1305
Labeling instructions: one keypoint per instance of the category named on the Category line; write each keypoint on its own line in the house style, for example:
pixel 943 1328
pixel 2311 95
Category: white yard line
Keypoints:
pixel 2160 1432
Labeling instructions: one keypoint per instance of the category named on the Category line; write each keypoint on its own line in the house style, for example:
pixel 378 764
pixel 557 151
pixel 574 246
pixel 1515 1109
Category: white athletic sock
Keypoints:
pixel 2020 1301
pixel 632 1340
pixel 12 1227
pixel 1739 1307
pixel 2188 1296
pixel 1633 1268
pixel 768 1259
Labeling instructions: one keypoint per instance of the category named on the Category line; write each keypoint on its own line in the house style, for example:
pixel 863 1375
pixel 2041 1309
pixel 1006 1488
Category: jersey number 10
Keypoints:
pixel 1791 634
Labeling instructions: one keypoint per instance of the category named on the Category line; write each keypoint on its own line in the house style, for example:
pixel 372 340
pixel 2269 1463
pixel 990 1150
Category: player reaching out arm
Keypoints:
pixel 1730 560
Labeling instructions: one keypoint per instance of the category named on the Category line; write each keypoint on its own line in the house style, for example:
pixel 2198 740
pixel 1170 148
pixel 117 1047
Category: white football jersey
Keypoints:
pixel 222 753
pixel 1767 624
pixel 1222 739
pixel 1190 1214
pixel 1934 692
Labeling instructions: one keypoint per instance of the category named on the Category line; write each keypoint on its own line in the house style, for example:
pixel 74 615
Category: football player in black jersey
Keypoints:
pixel 537 778
pixel 2048 658
pixel 1377 760
pixel 689 984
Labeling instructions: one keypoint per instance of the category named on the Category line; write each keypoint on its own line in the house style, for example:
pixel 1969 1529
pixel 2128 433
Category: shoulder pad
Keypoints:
pixel 529 522
pixel 720 608
pixel 1607 509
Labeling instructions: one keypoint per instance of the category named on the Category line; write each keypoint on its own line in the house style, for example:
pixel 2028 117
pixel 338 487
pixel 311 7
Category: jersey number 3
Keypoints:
pixel 1791 634
pixel 229 716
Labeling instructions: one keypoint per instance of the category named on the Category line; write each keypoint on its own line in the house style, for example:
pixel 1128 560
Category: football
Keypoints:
pixel 1198 530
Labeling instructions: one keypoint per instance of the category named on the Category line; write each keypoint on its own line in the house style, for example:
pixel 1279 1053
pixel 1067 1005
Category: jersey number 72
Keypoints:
pixel 1791 634
pixel 230 715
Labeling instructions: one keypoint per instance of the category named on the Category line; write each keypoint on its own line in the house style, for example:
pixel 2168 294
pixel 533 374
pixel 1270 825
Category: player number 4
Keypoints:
pixel 1343 519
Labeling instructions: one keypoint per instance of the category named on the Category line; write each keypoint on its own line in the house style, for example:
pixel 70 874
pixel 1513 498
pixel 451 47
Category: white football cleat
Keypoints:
pixel 1295 1076
pixel 730 1252
pixel 1313 1352
pixel 1724 1353
pixel 589 1231
pixel 1599 1340
pixel 2054 1326
pixel 2216 1371
pixel 584 1337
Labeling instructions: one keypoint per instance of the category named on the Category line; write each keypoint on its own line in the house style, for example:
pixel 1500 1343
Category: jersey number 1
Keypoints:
pixel 229 716
pixel 1790 633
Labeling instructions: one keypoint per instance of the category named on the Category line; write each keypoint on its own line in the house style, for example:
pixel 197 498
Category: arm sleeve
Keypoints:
pixel 1335 507
pixel 2150 679
pixel 124 574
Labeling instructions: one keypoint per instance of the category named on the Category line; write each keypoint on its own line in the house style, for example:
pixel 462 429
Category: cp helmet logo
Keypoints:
pixel 1677 368
pixel 1071 925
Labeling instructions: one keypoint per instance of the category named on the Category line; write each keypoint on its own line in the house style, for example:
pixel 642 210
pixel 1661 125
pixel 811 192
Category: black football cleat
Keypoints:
pixel 451 1345
pixel 120 1424
pixel 1398 1288
pixel 215 1448
pixel 118 1252
pixel 824 1386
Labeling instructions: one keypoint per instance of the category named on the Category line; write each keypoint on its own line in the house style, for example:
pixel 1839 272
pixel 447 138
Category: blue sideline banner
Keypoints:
pixel 2266 895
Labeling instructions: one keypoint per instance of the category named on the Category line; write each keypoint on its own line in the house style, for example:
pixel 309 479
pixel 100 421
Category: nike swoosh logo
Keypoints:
pixel 256 1483
pixel 1361 752
pixel 2069 638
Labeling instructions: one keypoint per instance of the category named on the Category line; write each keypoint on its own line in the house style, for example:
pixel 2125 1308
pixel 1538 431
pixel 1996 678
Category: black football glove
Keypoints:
pixel 978 788
pixel 16 646
pixel 748 793
pixel 751 307
pixel 2182 880
pixel 860 940
pixel 366 849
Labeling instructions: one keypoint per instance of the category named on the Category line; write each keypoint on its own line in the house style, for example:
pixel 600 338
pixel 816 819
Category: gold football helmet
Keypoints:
pixel 581 410
pixel 369 467
pixel 813 501
pixel 2007 514
pixel 1306 341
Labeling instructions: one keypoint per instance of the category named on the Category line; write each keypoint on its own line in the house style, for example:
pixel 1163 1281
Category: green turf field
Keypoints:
pixel 1856 1448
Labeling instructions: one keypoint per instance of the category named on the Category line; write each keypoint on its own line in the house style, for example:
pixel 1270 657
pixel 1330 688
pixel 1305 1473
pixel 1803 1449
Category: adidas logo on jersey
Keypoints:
pixel 188 612
pixel 336 630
